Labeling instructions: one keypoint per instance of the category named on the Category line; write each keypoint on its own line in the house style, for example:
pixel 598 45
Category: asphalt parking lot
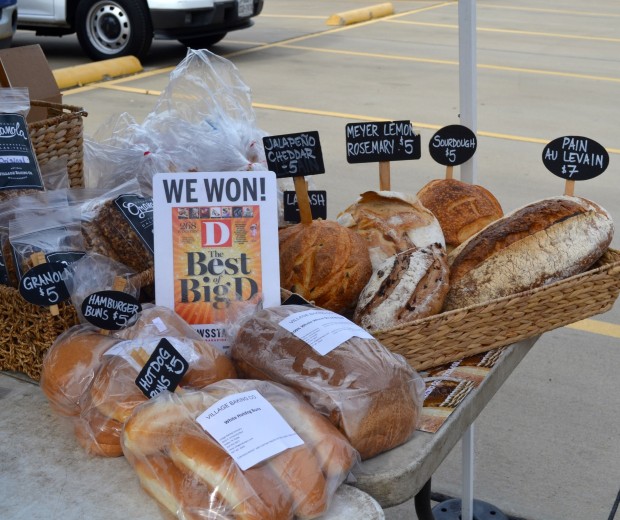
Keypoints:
pixel 546 446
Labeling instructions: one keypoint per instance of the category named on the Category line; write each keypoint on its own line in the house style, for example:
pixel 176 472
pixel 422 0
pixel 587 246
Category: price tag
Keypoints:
pixel 44 284
pixel 294 155
pixel 575 158
pixel 111 310
pixel 318 205
pixel 453 145
pixel 163 371
pixel 382 142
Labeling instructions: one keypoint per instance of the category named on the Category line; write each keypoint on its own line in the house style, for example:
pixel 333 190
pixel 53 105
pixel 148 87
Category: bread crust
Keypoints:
pixel 324 262
pixel 408 286
pixel 391 222
pixel 538 244
pixel 462 208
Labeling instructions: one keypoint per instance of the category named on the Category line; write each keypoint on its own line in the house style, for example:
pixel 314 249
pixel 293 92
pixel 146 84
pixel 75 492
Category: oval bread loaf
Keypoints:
pixel 407 286
pixel 535 245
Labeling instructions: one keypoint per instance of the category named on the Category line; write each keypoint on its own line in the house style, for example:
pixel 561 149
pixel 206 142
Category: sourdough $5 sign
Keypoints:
pixel 216 246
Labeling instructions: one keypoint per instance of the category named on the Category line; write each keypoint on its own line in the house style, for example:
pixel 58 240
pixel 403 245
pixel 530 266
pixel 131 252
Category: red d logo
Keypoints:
pixel 216 233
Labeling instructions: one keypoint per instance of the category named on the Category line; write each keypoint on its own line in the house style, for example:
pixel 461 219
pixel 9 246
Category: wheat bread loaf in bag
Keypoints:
pixel 370 394
pixel 541 243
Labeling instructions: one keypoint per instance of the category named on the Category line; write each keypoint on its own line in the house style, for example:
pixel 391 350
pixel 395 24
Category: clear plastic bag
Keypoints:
pixel 370 394
pixel 202 121
pixel 191 475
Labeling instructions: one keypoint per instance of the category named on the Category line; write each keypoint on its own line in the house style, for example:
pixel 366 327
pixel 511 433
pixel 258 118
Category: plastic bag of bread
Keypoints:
pixel 237 449
pixel 99 379
pixel 391 222
pixel 370 394
pixel 538 244
pixel 118 223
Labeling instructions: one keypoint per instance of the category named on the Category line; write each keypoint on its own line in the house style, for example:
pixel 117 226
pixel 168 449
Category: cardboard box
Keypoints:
pixel 27 66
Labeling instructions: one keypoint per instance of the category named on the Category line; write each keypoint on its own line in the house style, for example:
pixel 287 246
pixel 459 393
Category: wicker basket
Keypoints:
pixel 459 333
pixel 60 136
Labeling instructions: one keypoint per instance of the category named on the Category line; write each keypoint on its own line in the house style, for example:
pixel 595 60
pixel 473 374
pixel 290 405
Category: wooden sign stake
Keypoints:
pixel 384 176
pixel 303 199
pixel 449 172
pixel 38 258
pixel 569 188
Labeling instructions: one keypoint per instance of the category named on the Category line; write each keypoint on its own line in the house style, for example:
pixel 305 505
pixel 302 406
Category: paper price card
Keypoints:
pixel 322 330
pixel 216 246
pixel 249 428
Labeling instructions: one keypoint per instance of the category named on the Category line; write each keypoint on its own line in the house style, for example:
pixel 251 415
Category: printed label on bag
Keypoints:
pixel 136 352
pixel 322 330
pixel 249 428
pixel 139 213
pixel 19 168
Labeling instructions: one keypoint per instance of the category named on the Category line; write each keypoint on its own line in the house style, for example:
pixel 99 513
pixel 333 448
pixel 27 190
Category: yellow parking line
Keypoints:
pixel 453 63
pixel 598 14
pixel 597 327
pixel 511 31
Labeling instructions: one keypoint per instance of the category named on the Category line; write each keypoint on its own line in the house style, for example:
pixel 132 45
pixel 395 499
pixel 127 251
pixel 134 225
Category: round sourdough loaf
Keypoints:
pixel 407 286
pixel 324 262
pixel 462 208
pixel 535 245
pixel 391 222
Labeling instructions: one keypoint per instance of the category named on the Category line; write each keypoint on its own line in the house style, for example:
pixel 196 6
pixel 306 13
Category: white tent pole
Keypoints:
pixel 468 84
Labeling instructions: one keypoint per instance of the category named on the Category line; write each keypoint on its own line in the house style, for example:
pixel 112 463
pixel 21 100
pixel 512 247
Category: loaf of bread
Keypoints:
pixel 367 392
pixel 391 222
pixel 407 286
pixel 325 263
pixel 535 245
pixel 177 461
pixel 461 208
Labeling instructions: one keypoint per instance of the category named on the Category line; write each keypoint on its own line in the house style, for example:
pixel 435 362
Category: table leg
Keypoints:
pixel 422 502
pixel 467 454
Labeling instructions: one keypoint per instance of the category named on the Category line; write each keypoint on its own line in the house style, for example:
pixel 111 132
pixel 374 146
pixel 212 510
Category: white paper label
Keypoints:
pixel 322 330
pixel 249 428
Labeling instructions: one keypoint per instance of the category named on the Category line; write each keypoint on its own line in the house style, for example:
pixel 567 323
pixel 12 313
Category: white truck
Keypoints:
pixel 112 28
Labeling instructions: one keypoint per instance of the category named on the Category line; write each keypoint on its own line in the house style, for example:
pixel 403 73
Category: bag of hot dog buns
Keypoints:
pixel 370 394
pixel 237 449
pixel 97 379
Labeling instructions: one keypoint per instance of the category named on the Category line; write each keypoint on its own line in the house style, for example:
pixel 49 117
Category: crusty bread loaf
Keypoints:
pixel 462 208
pixel 407 286
pixel 391 222
pixel 535 245
pixel 325 263
pixel 368 393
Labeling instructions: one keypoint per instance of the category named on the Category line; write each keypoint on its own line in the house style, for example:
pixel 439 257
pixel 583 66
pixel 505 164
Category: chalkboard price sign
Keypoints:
pixel 110 310
pixel 382 142
pixel 44 284
pixel 163 371
pixel 294 155
pixel 453 145
pixel 575 158
pixel 318 205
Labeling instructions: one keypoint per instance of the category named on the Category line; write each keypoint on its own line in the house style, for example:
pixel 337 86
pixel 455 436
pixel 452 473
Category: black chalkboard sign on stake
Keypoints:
pixel 38 258
pixel 296 155
pixel 575 158
pixel 382 142
pixel 451 146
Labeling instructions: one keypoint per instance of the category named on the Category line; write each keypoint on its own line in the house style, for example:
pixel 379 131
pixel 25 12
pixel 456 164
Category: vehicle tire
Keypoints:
pixel 112 28
pixel 202 42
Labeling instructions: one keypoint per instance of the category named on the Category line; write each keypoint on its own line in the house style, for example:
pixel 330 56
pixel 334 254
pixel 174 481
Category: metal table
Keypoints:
pixel 405 472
